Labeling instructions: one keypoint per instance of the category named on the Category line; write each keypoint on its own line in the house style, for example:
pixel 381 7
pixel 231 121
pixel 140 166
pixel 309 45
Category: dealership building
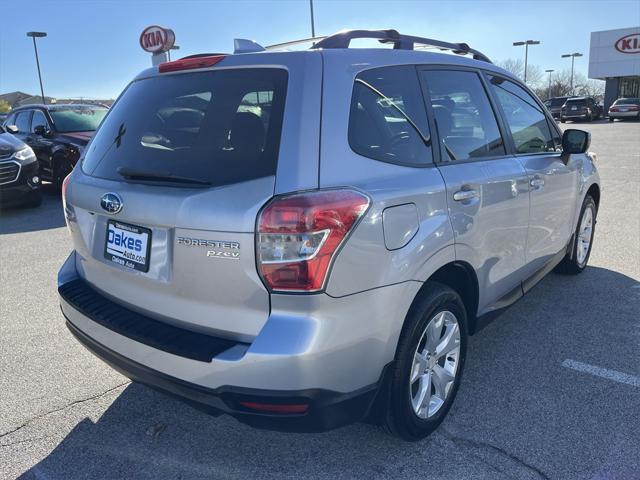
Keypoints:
pixel 614 56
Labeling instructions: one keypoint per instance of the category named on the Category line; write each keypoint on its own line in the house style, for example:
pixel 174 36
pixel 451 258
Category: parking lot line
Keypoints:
pixel 614 375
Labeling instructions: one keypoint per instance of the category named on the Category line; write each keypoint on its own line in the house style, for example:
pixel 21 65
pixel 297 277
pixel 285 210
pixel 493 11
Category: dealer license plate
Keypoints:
pixel 128 245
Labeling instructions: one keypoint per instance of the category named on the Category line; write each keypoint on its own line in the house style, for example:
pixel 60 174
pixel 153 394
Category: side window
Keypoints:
pixel 388 121
pixel 22 121
pixel 39 119
pixel 525 118
pixel 10 120
pixel 467 125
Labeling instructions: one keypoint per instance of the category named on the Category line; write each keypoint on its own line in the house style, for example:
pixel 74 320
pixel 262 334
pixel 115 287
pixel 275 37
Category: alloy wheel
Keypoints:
pixel 435 364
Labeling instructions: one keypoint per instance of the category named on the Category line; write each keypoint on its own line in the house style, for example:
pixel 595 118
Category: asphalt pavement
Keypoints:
pixel 551 389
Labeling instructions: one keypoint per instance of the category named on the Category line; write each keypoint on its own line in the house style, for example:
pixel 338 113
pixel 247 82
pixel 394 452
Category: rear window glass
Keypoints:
pixel 627 101
pixel 81 119
pixel 580 102
pixel 388 121
pixel 218 127
pixel 558 102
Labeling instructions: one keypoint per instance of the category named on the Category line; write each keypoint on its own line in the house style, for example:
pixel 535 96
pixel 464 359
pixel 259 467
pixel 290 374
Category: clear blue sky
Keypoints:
pixel 92 45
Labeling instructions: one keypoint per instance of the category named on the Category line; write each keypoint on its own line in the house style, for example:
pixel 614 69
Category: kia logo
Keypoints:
pixel 155 39
pixel 629 43
pixel 111 203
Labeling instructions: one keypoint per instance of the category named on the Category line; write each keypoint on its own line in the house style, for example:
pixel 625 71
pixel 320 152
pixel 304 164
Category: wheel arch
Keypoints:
pixel 594 191
pixel 461 277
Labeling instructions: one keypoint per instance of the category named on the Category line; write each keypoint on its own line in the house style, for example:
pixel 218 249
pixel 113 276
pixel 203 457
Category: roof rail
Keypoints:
pixel 278 46
pixel 400 42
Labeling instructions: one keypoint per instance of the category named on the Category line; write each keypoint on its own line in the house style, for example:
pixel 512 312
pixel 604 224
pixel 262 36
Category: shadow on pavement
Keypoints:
pixel 519 413
pixel 46 216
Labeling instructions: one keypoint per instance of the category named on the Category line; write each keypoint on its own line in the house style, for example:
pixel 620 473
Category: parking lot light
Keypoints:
pixel 526 44
pixel 573 57
pixel 549 91
pixel 35 35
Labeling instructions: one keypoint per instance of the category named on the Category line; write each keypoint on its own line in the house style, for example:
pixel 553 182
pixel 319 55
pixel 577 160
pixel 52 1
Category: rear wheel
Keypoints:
pixel 429 363
pixel 562 120
pixel 576 260
pixel 610 119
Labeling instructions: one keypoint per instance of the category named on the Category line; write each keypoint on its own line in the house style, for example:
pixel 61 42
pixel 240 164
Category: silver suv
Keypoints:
pixel 303 239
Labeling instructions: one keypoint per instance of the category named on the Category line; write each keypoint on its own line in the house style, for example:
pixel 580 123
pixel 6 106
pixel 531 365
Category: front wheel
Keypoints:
pixel 610 120
pixel 576 259
pixel 429 362
pixel 61 168
pixel 562 120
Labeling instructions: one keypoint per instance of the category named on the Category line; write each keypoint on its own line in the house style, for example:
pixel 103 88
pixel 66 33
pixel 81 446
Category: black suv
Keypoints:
pixel 555 105
pixel 57 134
pixel 19 180
pixel 580 108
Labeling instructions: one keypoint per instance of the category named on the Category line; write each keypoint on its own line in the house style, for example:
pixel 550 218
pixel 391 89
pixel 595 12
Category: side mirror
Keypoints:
pixel 575 141
pixel 41 130
pixel 12 129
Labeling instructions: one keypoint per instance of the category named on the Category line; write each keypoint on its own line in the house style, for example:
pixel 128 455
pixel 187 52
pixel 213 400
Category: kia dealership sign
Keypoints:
pixel 155 39
pixel 615 53
pixel 629 43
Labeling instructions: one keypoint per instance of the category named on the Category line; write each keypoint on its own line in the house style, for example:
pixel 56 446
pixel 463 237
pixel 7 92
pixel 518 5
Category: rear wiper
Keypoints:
pixel 152 176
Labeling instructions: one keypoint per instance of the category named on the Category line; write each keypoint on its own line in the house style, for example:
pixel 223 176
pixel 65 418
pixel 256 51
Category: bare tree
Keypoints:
pixel 516 67
pixel 561 86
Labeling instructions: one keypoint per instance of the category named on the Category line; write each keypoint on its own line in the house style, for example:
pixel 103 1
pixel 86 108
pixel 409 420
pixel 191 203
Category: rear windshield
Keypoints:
pixel 578 102
pixel 218 127
pixel 77 119
pixel 558 102
pixel 627 101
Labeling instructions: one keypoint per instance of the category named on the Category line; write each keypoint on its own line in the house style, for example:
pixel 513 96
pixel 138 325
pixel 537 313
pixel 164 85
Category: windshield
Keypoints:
pixel 217 127
pixel 627 101
pixel 77 119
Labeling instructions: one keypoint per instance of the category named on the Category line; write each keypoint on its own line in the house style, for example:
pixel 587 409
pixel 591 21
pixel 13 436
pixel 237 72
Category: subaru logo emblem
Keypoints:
pixel 111 203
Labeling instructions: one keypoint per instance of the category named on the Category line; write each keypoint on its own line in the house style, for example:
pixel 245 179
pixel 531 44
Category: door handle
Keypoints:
pixel 536 183
pixel 462 195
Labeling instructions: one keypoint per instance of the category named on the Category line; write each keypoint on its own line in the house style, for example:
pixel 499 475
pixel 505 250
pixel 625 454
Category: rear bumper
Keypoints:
pixel 326 409
pixel 330 354
pixel 624 114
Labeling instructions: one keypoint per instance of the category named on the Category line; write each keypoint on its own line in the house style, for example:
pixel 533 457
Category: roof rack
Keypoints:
pixel 400 42
pixel 279 46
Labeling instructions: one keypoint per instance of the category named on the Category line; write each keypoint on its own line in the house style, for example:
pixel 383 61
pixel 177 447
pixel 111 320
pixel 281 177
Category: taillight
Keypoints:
pixel 633 108
pixel 190 63
pixel 613 109
pixel 298 236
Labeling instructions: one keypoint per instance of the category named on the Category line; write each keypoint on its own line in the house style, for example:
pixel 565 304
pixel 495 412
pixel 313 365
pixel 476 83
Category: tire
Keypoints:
pixel 610 120
pixel 590 118
pixel 61 168
pixel 578 256
pixel 440 376
pixel 562 120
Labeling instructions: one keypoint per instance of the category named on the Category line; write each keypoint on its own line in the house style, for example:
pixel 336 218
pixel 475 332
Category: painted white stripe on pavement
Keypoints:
pixel 603 372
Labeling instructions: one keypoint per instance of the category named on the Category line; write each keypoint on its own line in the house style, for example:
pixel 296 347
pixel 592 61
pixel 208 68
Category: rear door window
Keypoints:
pixel 23 121
pixel 525 118
pixel 388 121
pixel 467 125
pixel 218 127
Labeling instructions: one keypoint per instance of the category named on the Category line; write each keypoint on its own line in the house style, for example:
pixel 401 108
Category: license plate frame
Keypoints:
pixel 119 255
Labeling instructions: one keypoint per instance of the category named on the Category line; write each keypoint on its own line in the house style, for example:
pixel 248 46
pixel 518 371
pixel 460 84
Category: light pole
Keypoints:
pixel 313 28
pixel 573 57
pixel 526 53
pixel 549 91
pixel 33 35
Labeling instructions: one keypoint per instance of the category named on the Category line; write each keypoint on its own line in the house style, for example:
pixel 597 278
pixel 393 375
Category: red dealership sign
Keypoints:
pixel 155 39
pixel 629 43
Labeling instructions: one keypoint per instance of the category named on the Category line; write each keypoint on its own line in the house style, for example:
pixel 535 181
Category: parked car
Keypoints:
pixel 581 108
pixel 299 240
pixel 625 108
pixel 57 134
pixel 19 180
pixel 555 105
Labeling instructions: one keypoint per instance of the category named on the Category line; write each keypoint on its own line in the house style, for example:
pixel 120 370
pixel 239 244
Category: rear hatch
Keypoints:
pixel 166 201
pixel 575 106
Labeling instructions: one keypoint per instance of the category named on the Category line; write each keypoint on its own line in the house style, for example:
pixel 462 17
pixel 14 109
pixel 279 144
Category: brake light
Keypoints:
pixel 298 236
pixel 613 109
pixel 633 108
pixel 190 63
